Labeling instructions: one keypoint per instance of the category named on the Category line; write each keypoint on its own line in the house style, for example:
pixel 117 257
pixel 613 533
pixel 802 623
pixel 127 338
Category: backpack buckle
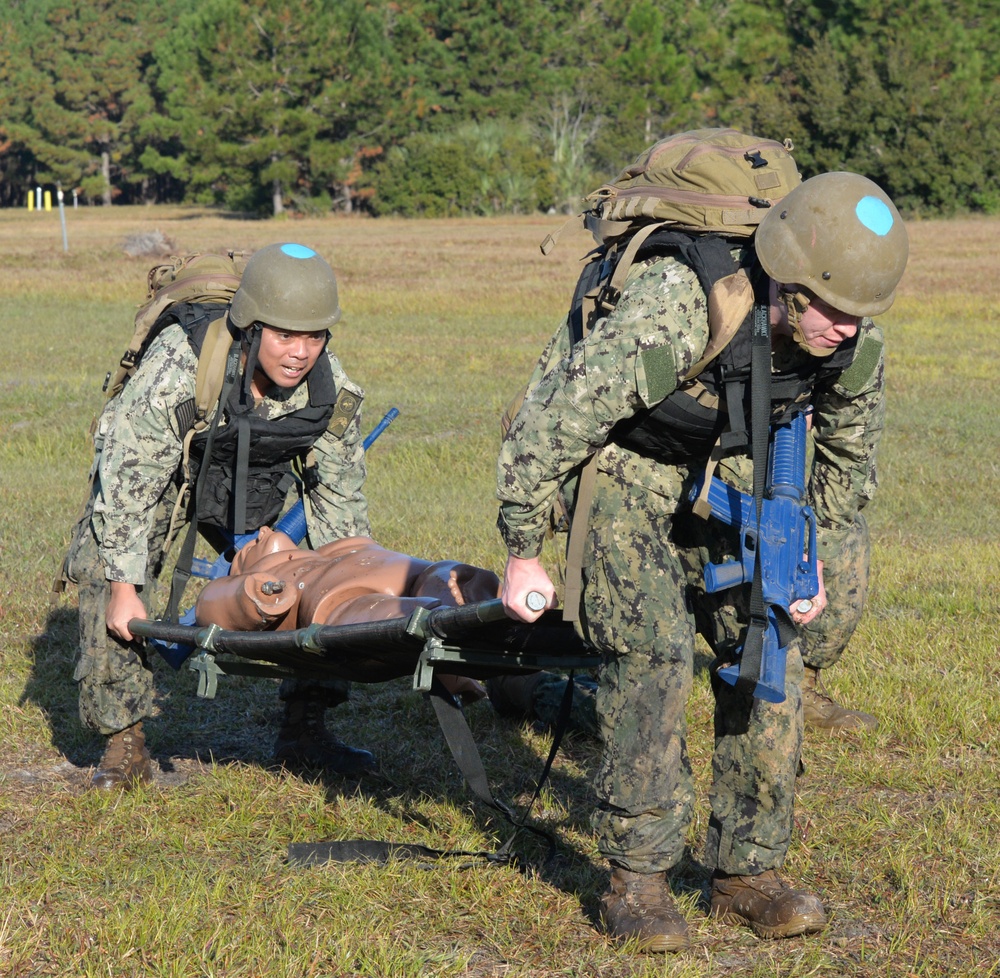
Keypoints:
pixel 608 297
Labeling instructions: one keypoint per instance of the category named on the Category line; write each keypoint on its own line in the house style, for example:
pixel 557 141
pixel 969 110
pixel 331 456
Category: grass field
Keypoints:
pixel 897 829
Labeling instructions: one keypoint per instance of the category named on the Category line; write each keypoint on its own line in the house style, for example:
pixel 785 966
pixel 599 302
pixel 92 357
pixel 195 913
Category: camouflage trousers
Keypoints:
pixel 642 606
pixel 115 678
pixel 845 577
pixel 547 703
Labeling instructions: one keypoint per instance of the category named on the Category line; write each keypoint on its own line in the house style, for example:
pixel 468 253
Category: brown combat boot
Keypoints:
pixel 822 712
pixel 304 741
pixel 638 906
pixel 125 763
pixel 767 905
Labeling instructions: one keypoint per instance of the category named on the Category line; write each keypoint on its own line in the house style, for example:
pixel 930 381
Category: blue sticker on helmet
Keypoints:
pixel 300 251
pixel 874 215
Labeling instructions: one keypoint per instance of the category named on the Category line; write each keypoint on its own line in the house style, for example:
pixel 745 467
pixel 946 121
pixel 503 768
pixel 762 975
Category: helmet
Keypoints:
pixel 288 286
pixel 839 236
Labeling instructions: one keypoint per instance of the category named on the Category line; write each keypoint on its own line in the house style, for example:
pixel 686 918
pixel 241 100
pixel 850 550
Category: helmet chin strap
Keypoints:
pixel 796 303
pixel 251 344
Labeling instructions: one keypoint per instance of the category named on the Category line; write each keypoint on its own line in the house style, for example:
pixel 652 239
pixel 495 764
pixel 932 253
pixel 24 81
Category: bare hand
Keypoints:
pixel 522 576
pixel 125 604
pixel 804 610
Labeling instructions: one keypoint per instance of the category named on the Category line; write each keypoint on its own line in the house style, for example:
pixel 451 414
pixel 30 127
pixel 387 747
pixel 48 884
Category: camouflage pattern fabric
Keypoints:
pixel 142 456
pixel 822 641
pixel 644 601
pixel 569 413
pixel 845 576
pixel 121 536
pixel 547 699
pixel 631 361
pixel 114 678
pixel 642 576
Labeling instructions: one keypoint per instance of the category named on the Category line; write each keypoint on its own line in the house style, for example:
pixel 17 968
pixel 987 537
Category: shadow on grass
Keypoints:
pixel 395 722
pixel 418 773
pixel 238 726
pixel 420 767
pixel 51 689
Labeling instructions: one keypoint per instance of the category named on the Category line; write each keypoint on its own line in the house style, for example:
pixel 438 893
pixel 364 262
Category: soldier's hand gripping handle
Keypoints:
pixel 527 590
pixel 124 605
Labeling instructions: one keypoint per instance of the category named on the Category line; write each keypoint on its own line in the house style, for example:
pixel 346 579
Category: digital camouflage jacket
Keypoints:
pixel 142 449
pixel 630 362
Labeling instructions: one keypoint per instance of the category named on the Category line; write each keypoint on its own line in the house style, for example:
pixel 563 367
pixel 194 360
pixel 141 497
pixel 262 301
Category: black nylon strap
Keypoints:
pixel 760 410
pixel 463 748
pixel 182 569
pixel 240 474
pixel 366 851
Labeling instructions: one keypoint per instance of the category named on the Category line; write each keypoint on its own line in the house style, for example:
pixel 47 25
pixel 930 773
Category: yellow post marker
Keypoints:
pixel 48 200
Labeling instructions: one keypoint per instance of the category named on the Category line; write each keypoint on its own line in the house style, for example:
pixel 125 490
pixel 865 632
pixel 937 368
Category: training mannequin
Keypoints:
pixel 275 585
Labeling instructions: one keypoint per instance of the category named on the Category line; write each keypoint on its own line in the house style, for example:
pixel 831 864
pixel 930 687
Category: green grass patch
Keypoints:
pixel 895 829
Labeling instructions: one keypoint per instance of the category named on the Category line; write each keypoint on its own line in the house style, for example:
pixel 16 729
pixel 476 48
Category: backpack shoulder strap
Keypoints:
pixel 573 589
pixel 729 303
pixel 219 340
pixel 612 290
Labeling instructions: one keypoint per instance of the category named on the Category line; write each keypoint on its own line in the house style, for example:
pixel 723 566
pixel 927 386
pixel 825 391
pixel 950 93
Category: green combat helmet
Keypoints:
pixel 287 286
pixel 839 236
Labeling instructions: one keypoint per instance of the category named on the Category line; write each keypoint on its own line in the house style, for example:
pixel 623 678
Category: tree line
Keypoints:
pixel 448 107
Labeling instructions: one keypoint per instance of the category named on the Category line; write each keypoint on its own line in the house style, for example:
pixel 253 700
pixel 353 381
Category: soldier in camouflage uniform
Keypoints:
pixel 834 251
pixel 292 396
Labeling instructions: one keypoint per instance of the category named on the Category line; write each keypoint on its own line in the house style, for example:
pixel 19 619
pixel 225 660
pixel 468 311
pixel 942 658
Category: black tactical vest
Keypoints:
pixel 687 424
pixel 270 446
pixel 684 427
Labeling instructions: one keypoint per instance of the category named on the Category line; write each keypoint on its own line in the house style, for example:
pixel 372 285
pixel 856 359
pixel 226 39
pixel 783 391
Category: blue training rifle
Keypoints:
pixel 785 539
pixel 293 523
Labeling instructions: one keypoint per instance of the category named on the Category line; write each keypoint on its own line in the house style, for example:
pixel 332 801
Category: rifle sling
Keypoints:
pixel 760 411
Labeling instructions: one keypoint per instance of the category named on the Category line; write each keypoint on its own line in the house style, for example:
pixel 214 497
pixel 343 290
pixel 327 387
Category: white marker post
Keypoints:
pixel 62 217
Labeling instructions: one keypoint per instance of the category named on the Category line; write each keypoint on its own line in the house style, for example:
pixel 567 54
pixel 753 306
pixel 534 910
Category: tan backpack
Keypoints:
pixel 184 290
pixel 714 183
pixel 694 186
pixel 704 180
